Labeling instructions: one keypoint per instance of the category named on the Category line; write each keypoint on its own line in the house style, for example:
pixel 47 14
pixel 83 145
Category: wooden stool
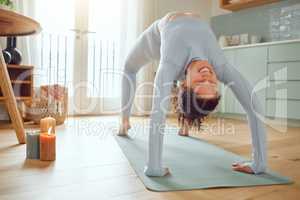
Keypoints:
pixel 14 24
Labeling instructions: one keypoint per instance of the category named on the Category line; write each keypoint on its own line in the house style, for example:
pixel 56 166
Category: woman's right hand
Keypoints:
pixel 184 129
pixel 183 132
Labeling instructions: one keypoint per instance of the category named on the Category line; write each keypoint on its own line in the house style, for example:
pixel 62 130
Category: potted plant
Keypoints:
pixel 6 4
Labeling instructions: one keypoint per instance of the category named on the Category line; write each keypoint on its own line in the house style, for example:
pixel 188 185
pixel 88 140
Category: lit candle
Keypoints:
pixel 33 145
pixel 47 123
pixel 47 146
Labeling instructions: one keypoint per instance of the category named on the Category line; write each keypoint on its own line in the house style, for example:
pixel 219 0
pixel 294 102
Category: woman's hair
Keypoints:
pixel 192 108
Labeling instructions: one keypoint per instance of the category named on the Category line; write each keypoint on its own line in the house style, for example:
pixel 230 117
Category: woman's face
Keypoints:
pixel 202 79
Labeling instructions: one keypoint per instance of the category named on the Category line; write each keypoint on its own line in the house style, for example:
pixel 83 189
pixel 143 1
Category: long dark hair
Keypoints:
pixel 192 108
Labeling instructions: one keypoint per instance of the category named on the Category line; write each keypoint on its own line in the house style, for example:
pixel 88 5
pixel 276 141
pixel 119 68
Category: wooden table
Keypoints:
pixel 14 24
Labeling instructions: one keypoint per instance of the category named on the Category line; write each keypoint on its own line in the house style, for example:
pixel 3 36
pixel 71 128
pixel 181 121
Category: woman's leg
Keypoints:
pixel 145 50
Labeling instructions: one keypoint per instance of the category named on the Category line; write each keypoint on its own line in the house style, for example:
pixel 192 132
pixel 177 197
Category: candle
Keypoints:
pixel 33 145
pixel 47 123
pixel 47 146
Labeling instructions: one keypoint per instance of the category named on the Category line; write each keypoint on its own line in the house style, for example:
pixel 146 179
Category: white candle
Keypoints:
pixel 48 123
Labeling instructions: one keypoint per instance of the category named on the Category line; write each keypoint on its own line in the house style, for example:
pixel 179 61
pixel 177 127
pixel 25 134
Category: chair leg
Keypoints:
pixel 10 100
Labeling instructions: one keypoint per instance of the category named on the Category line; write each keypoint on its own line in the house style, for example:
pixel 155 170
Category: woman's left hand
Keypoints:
pixel 241 167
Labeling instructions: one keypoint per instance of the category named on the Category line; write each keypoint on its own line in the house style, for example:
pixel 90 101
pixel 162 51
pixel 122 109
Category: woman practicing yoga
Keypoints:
pixel 188 50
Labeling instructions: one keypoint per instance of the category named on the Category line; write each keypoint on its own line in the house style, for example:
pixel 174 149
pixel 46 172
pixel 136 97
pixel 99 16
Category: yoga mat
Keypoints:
pixel 193 163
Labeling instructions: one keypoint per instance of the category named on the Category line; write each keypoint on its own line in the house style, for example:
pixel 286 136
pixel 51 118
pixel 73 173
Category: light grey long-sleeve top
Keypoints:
pixel 175 44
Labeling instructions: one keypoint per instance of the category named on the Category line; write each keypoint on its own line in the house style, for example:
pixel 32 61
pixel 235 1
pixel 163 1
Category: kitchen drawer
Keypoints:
pixel 284 90
pixel 283 109
pixel 284 52
pixel 284 71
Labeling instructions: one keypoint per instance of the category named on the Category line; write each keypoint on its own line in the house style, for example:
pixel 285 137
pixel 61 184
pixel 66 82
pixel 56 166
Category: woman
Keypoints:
pixel 188 51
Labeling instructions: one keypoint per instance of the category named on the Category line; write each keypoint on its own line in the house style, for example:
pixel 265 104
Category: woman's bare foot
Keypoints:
pixel 125 126
pixel 158 173
pixel 242 168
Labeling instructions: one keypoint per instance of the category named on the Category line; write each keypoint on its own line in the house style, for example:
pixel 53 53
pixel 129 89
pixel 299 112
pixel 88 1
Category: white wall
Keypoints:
pixel 206 8
pixel 202 7
pixel 216 10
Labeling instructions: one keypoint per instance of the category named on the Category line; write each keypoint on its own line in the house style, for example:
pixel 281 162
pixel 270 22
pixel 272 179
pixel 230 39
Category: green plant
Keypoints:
pixel 8 3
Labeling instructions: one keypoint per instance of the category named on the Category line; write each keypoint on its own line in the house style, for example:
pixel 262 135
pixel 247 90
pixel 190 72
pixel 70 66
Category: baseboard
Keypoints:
pixel 271 121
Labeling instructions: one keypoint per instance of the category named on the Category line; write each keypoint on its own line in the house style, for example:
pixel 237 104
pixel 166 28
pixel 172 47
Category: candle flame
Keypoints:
pixel 49 130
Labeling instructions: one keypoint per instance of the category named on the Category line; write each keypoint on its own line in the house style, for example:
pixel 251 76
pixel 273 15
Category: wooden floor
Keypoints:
pixel 90 165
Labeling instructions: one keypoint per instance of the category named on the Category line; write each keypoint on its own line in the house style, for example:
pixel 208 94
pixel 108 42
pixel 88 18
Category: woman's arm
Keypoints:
pixel 243 91
pixel 184 129
pixel 165 76
pixel 251 104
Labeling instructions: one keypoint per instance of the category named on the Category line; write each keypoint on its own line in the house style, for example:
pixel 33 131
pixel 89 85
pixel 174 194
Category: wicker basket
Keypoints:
pixel 48 104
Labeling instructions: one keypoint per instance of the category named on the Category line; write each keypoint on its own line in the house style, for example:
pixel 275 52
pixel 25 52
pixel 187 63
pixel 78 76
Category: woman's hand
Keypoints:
pixel 242 167
pixel 184 129
pixel 183 132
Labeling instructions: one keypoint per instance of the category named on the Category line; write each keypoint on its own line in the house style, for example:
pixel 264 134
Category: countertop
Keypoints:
pixel 261 44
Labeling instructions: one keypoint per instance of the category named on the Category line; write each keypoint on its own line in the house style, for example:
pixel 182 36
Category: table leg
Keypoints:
pixel 10 100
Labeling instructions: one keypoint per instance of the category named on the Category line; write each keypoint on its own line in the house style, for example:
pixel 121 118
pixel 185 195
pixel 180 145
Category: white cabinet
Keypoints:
pixel 283 96
pixel 229 101
pixel 252 64
pixel 283 108
pixel 274 73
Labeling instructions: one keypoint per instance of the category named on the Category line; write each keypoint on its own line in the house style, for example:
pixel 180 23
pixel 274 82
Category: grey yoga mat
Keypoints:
pixel 193 163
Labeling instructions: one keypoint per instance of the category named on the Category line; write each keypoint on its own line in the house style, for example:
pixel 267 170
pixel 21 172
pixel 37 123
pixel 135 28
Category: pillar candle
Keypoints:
pixel 47 146
pixel 33 145
pixel 47 123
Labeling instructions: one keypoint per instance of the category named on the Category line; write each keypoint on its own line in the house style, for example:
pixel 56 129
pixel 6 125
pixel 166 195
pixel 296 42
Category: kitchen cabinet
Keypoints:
pixel 228 100
pixel 251 63
pixel 284 52
pixel 284 90
pixel 274 71
pixel 283 108
pixel 283 97
pixel 284 71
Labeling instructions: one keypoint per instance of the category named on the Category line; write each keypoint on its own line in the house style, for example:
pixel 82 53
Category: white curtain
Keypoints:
pixel 25 8
pixel 138 15
pixel 26 43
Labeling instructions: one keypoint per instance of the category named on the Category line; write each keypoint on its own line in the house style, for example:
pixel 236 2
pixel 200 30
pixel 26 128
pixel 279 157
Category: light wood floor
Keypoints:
pixel 90 165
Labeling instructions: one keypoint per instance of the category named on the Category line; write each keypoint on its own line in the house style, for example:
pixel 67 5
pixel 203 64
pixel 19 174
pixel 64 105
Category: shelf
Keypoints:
pixel 20 82
pixel 22 91
pixel 243 4
pixel 19 66
pixel 17 98
pixel 7 125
